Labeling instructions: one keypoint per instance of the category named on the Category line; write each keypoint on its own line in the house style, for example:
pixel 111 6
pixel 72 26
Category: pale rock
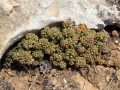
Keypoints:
pixel 20 16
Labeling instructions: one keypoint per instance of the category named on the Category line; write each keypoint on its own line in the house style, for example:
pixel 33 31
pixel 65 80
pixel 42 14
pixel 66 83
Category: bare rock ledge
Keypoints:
pixel 20 16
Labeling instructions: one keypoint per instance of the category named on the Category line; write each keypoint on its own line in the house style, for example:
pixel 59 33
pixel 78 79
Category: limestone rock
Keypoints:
pixel 20 16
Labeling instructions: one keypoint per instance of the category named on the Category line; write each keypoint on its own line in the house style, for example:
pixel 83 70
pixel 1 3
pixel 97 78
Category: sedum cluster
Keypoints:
pixel 64 46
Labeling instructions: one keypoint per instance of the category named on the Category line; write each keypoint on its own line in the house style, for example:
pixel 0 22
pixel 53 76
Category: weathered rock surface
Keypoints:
pixel 20 16
pixel 104 78
pixel 55 80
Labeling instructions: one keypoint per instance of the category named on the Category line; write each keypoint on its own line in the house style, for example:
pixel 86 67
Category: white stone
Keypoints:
pixel 20 16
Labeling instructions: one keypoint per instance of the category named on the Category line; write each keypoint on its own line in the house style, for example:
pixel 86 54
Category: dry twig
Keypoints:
pixel 7 72
pixel 33 82
pixel 26 69
pixel 111 79
pixel 84 84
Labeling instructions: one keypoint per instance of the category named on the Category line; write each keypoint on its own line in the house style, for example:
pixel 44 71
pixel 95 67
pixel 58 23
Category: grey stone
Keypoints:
pixel 45 66
pixel 6 86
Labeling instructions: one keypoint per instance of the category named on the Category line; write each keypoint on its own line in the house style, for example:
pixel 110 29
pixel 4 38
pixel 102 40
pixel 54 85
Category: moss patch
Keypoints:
pixel 65 46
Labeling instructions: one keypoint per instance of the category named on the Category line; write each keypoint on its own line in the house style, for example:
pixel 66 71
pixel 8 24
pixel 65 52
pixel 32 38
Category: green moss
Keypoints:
pixel 67 24
pixel 37 54
pixel 52 34
pixel 68 45
pixel 80 61
pixel 20 56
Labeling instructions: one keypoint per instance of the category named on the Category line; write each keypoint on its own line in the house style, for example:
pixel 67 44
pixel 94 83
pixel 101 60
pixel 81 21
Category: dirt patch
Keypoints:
pixel 55 80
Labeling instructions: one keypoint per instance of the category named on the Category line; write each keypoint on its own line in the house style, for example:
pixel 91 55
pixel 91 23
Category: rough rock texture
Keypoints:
pixel 6 86
pixel 55 80
pixel 104 78
pixel 20 16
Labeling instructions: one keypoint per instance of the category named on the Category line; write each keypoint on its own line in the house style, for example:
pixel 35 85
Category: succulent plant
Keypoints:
pixel 52 34
pixel 37 54
pixel 68 23
pixel 80 61
pixel 68 45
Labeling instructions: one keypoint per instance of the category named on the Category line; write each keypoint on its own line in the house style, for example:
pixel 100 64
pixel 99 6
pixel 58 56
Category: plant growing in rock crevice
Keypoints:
pixel 67 45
